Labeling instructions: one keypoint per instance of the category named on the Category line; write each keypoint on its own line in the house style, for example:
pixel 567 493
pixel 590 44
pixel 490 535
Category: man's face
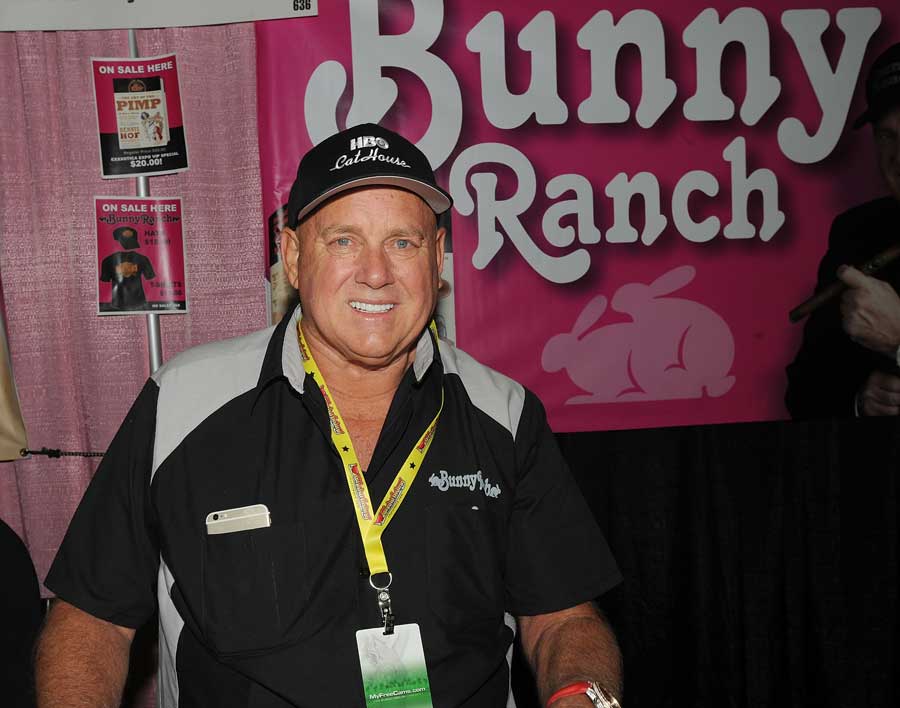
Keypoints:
pixel 887 146
pixel 367 265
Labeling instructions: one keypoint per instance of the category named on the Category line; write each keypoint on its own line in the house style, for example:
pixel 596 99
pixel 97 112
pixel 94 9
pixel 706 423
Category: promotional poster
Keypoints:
pixel 641 194
pixel 139 116
pixel 140 256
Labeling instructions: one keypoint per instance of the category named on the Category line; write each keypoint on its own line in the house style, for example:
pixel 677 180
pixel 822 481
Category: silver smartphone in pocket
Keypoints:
pixel 242 518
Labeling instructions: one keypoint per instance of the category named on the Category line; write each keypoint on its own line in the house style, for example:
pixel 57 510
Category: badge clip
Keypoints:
pixel 384 603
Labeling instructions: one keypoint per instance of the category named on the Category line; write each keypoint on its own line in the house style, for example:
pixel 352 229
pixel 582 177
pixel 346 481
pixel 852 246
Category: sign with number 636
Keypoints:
pixel 16 15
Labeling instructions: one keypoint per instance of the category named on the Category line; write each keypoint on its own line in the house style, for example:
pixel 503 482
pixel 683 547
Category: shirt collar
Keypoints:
pixel 282 358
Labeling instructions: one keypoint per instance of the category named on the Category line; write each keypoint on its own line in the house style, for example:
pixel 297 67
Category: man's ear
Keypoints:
pixel 289 247
pixel 439 239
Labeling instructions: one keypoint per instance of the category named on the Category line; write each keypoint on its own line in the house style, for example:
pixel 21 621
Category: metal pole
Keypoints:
pixel 142 187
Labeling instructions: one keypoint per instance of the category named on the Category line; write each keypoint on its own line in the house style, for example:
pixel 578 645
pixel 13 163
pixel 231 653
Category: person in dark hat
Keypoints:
pixel 344 509
pixel 126 270
pixel 849 360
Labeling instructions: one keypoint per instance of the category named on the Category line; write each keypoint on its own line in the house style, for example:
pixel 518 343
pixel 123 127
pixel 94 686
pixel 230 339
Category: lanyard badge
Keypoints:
pixel 371 521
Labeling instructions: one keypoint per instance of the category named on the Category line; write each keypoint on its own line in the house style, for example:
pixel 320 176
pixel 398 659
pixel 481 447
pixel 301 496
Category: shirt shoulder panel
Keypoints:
pixel 497 396
pixel 201 380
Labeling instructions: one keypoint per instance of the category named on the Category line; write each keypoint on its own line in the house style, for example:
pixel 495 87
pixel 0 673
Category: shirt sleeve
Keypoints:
pixel 557 556
pixel 108 560
pixel 149 273
pixel 106 269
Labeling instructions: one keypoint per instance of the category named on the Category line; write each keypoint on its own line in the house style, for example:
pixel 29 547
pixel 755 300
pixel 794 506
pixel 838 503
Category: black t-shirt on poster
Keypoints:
pixel 124 269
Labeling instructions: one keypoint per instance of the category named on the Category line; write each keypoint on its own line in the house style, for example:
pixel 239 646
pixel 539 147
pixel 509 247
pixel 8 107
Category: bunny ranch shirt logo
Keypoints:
pixel 444 481
pixel 375 145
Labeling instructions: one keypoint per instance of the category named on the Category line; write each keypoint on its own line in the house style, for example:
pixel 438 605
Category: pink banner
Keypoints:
pixel 641 195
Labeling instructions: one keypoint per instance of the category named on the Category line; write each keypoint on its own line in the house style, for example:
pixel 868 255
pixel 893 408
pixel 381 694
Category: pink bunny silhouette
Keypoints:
pixel 603 370
pixel 673 348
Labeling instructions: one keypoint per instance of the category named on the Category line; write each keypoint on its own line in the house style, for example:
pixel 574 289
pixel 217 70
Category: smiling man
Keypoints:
pixel 849 360
pixel 285 499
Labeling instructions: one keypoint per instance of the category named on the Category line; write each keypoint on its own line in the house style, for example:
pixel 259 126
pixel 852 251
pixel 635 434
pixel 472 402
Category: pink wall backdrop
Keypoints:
pixel 540 127
pixel 77 373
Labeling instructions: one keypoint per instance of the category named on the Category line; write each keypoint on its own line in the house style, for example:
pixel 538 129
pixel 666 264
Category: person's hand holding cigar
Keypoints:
pixel 814 302
pixel 870 311
pixel 870 316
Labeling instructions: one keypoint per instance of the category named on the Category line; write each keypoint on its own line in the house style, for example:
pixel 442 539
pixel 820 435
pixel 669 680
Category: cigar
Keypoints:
pixel 888 255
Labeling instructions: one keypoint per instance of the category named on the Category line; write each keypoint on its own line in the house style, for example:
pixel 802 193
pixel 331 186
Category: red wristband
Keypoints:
pixel 573 689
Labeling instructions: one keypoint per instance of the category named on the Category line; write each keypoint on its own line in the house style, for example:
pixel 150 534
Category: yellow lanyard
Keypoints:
pixel 372 522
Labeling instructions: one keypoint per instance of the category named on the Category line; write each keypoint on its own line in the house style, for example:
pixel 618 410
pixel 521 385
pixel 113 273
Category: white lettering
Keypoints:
pixel 374 155
pixel 621 190
pixel 497 217
pixel 709 37
pixel 582 207
pixel 833 90
pixel 694 181
pixel 502 108
pixel 443 481
pixel 361 142
pixel 506 212
pixel 375 93
pixel 763 181
pixel 604 39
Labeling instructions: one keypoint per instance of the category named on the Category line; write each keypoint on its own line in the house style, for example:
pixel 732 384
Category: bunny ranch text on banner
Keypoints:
pixel 140 256
pixel 641 194
pixel 139 116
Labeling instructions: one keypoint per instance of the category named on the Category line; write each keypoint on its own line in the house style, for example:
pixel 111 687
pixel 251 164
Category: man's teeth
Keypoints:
pixel 370 307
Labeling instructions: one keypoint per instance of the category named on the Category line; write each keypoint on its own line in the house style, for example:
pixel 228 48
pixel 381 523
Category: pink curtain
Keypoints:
pixel 78 373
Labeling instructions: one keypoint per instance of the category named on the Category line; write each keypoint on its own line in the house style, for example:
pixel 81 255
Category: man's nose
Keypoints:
pixel 374 267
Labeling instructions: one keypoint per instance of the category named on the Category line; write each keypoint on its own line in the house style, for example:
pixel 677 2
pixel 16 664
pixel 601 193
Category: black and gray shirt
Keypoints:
pixel 493 527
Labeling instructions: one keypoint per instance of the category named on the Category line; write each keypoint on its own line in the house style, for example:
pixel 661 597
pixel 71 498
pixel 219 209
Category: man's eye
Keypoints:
pixel 341 241
pixel 407 244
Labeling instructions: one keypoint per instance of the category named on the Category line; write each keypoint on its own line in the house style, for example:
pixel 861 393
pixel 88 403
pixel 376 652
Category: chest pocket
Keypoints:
pixel 465 584
pixel 257 585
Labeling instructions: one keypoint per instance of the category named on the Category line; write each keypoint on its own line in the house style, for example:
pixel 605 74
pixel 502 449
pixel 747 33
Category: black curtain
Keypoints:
pixel 760 561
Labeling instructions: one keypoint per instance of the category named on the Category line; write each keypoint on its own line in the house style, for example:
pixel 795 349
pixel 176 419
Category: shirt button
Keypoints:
pixel 363 572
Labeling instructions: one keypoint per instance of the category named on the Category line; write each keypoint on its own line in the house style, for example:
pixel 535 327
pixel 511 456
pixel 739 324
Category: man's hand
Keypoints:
pixel 880 395
pixel 870 311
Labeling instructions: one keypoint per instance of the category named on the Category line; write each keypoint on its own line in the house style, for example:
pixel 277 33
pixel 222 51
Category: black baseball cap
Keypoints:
pixel 126 236
pixel 365 155
pixel 882 86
